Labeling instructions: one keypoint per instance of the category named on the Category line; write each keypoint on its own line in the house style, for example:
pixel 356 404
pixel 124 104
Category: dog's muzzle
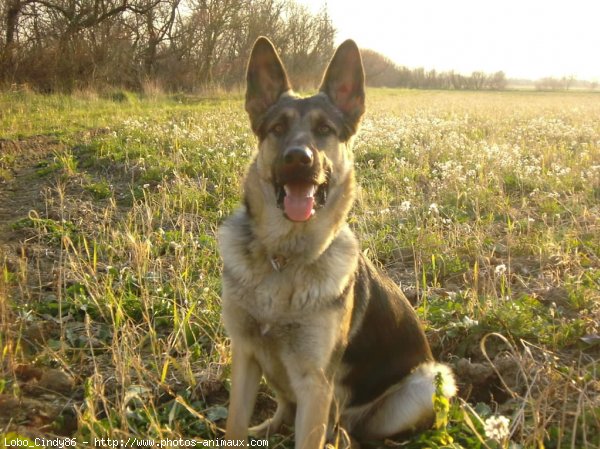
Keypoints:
pixel 298 190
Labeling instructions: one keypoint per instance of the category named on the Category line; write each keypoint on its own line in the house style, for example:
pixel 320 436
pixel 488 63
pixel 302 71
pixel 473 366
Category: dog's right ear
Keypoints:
pixel 266 80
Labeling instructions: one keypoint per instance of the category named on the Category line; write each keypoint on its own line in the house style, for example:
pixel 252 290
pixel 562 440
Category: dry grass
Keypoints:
pixel 483 205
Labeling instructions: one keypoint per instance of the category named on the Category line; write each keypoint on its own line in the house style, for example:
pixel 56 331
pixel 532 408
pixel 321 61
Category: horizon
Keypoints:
pixel 527 40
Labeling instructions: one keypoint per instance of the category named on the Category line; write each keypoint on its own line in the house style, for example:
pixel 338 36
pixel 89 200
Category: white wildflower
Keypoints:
pixel 500 269
pixel 433 208
pixel 405 206
pixel 468 322
pixel 496 427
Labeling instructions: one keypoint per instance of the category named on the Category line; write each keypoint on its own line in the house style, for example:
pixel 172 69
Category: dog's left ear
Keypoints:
pixel 344 83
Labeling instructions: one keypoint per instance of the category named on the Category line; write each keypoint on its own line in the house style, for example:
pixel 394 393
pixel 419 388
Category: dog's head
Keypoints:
pixel 304 149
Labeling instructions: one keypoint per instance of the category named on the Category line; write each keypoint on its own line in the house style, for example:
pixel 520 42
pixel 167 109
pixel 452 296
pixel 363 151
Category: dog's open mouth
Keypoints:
pixel 300 199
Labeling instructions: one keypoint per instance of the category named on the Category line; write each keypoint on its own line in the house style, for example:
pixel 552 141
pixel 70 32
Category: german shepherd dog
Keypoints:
pixel 336 340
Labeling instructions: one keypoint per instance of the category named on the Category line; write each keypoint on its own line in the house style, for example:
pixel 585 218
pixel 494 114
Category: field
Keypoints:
pixel 485 207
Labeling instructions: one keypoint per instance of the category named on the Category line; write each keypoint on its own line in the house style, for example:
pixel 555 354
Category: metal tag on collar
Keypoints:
pixel 278 262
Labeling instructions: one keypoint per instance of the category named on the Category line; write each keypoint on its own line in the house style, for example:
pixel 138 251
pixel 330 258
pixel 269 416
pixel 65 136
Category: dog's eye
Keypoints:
pixel 324 130
pixel 278 129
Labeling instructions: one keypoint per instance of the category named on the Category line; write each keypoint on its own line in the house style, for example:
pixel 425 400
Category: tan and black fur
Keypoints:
pixel 336 340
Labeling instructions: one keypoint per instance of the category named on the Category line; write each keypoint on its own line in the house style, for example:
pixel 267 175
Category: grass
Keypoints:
pixel 484 206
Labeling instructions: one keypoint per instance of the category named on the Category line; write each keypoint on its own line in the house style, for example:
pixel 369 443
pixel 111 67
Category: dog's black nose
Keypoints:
pixel 298 156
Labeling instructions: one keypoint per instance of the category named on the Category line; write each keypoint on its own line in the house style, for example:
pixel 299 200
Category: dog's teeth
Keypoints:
pixel 312 212
pixel 309 193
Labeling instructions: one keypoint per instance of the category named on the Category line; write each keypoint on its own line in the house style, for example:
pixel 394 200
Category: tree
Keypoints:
pixel 478 80
pixel 497 81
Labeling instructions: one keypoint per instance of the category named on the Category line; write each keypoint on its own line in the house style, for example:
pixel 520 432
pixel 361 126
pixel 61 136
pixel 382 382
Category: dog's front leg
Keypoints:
pixel 314 395
pixel 245 380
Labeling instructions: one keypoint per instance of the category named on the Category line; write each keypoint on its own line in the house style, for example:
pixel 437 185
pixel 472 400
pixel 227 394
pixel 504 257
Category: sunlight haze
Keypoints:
pixel 525 39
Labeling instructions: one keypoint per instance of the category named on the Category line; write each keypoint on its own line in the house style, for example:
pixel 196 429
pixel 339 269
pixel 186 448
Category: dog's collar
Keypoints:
pixel 278 262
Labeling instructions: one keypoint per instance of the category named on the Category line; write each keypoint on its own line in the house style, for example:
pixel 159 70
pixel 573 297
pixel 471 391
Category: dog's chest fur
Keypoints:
pixel 289 292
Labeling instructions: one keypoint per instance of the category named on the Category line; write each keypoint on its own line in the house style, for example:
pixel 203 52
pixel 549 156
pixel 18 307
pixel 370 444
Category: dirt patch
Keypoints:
pixel 44 401
pixel 22 189
pixel 482 382
pixel 20 196
pixel 39 200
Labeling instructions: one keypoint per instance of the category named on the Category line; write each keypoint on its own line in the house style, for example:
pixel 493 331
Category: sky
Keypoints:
pixel 524 38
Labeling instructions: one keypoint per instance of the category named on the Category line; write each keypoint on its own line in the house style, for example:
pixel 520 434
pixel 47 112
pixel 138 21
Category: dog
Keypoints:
pixel 337 341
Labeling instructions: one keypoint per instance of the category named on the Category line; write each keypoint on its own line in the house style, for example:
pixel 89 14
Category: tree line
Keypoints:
pixel 383 72
pixel 172 45
pixel 181 45
pixel 564 83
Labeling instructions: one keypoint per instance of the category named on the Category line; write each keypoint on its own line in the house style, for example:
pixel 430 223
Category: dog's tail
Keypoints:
pixel 407 406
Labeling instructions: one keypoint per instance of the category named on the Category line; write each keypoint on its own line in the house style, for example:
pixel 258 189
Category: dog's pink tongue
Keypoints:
pixel 298 202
